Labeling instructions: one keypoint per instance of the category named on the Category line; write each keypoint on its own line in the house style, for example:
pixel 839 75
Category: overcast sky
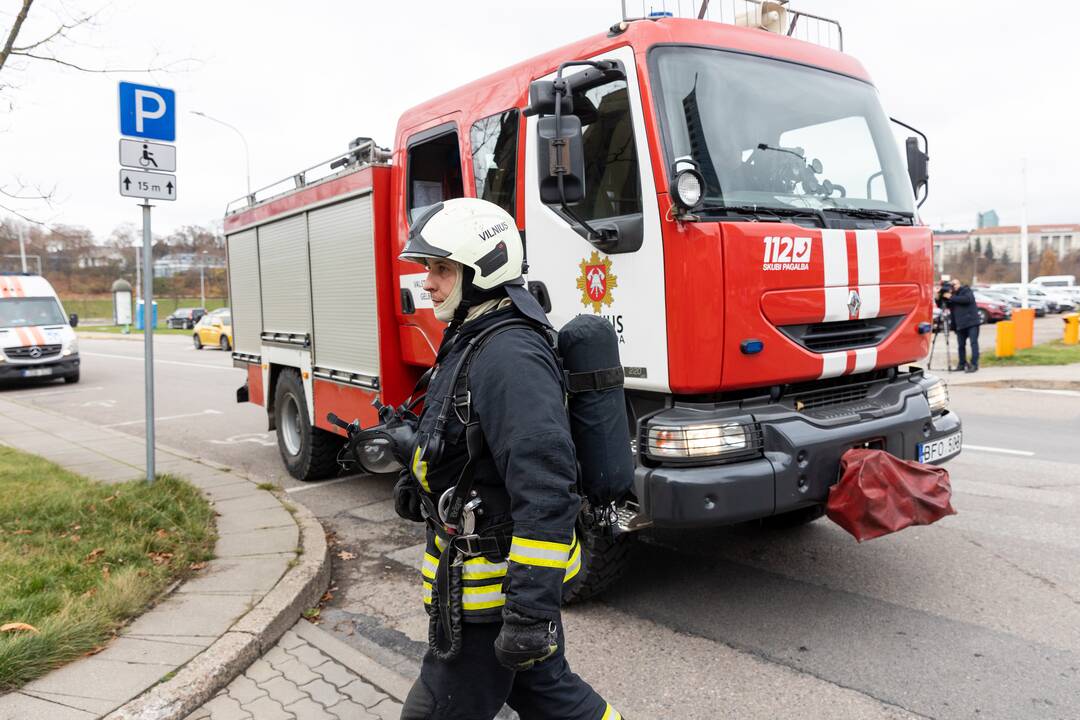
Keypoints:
pixel 988 84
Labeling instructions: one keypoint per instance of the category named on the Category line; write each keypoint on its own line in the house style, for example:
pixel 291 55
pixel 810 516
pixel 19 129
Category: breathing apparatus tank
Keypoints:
pixel 589 350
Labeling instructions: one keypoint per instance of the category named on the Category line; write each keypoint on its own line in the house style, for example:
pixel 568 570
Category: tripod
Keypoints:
pixel 945 317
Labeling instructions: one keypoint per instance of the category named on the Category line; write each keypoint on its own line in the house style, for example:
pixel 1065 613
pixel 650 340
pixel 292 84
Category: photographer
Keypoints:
pixel 965 320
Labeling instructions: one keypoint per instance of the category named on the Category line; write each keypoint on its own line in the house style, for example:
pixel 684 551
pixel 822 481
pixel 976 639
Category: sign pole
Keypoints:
pixel 148 337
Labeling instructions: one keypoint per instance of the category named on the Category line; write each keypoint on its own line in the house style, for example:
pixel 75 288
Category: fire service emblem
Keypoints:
pixel 596 282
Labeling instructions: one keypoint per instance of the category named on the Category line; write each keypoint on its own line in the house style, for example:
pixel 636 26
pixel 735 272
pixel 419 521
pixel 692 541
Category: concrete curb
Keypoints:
pixel 392 683
pixel 252 635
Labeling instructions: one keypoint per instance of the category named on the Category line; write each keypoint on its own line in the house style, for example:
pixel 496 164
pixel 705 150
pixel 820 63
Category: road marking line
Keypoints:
pixel 156 361
pixel 312 486
pixel 1005 451
pixel 31 393
pixel 1066 393
pixel 166 417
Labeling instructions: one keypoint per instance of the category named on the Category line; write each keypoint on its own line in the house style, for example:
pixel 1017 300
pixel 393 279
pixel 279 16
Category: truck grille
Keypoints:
pixel 842 334
pixel 831 396
pixel 32 352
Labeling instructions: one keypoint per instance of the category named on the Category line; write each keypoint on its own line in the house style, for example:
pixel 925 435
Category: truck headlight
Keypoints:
pixel 70 347
pixel 709 440
pixel 938 397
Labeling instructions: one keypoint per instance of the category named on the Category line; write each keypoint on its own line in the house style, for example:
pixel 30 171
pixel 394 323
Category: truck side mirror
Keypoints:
pixel 917 161
pixel 73 320
pixel 559 154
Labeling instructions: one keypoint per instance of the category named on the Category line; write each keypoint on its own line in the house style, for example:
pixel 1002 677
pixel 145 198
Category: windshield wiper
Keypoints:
pixel 870 214
pixel 760 212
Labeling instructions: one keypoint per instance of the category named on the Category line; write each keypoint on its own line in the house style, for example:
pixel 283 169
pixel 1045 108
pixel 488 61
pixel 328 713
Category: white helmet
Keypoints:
pixel 476 233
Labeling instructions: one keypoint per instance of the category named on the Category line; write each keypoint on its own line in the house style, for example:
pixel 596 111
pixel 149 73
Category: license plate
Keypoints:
pixel 37 372
pixel 940 449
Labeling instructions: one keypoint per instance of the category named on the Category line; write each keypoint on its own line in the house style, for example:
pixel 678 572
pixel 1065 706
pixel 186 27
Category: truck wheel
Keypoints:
pixel 794 518
pixel 604 558
pixel 309 453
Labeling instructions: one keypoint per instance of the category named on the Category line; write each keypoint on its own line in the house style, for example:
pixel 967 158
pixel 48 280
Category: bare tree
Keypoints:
pixel 19 54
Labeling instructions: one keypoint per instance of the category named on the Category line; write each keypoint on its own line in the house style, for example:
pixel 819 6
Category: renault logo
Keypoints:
pixel 35 352
pixel 853 303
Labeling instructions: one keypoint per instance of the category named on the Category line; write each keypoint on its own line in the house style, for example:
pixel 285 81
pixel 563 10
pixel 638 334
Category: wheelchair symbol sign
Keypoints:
pixel 147 112
pixel 147 155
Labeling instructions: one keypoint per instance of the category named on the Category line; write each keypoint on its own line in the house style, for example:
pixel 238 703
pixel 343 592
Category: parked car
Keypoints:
pixel 1014 300
pixel 991 308
pixel 184 318
pixel 214 329
pixel 1066 299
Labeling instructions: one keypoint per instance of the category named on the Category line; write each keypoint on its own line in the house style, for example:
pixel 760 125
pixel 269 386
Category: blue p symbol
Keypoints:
pixel 147 112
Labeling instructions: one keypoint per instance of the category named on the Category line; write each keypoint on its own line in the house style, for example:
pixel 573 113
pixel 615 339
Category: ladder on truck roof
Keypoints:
pixel 772 15
pixel 362 152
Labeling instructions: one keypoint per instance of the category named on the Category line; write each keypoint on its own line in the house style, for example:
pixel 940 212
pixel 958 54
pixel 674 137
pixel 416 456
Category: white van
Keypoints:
pixel 1055 281
pixel 37 340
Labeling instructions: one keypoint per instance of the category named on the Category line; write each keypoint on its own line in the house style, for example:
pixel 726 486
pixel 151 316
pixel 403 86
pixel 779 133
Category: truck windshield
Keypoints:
pixel 768 133
pixel 23 312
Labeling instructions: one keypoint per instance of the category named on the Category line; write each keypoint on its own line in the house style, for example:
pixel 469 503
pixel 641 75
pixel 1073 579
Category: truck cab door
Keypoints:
pixel 625 284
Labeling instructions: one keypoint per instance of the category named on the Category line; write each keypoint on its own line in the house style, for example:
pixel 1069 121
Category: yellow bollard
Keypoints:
pixel 1024 322
pixel 1072 328
pixel 1006 339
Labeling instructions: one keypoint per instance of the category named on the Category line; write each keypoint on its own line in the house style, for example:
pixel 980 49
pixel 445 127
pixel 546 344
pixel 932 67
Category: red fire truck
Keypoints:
pixel 738 210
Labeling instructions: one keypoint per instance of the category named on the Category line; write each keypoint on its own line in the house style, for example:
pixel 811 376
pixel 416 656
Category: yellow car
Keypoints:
pixel 214 329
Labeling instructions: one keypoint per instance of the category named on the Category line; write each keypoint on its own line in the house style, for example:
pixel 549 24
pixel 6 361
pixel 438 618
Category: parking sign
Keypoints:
pixel 147 112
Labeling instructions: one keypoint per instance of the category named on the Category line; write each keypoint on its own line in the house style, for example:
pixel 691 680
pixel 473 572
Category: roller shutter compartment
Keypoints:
pixel 283 264
pixel 245 294
pixel 343 277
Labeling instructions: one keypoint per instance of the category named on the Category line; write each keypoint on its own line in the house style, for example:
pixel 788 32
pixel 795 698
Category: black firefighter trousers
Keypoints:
pixel 474 686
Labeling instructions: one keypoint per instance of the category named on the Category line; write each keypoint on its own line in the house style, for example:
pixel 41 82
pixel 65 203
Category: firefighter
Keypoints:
pixel 496 432
pixel 964 317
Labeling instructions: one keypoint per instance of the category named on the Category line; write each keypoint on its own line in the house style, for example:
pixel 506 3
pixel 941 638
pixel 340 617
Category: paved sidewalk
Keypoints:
pixel 1062 377
pixel 309 675
pixel 270 563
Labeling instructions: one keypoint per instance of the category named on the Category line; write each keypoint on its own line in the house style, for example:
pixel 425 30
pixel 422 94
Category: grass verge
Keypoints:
pixel 78 558
pixel 102 307
pixel 119 329
pixel 1055 352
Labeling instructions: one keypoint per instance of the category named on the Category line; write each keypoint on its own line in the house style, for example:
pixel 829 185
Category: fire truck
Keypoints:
pixel 731 198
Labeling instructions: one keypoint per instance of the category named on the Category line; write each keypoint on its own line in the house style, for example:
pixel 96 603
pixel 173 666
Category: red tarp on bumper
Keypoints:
pixel 879 494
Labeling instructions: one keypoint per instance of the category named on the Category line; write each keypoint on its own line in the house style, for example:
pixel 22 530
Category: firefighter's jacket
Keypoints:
pixel 526 473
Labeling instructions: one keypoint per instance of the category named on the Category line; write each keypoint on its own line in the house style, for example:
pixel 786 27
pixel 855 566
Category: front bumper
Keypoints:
pixel 800 459
pixel 57 367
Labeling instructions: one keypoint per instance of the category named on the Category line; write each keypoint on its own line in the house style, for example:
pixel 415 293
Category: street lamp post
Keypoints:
pixel 202 281
pixel 247 155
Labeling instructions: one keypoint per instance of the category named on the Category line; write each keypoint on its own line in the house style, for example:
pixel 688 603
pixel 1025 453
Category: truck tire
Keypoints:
pixel 309 453
pixel 604 558
pixel 794 518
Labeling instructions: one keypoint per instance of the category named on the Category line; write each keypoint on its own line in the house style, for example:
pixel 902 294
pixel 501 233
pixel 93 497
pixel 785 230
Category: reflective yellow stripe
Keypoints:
pixel 427 593
pixel 430 566
pixel 539 552
pixel 611 713
pixel 440 544
pixel 419 470
pixel 483 597
pixel 481 569
pixel 574 564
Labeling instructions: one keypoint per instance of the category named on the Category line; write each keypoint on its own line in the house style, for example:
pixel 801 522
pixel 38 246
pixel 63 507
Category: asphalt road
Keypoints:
pixel 977 616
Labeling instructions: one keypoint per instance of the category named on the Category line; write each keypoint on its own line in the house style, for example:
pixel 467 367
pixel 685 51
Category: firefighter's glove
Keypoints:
pixel 525 641
pixel 407 497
